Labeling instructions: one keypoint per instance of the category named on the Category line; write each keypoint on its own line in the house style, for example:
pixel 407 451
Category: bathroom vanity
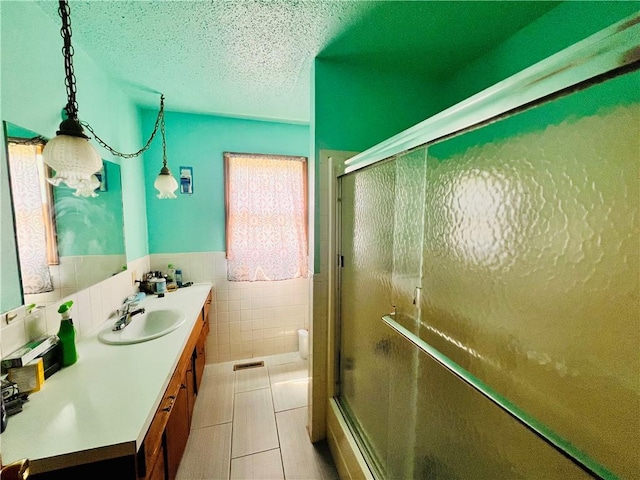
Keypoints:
pixel 122 410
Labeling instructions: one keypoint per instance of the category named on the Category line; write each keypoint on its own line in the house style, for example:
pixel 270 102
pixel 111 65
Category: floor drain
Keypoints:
pixel 244 366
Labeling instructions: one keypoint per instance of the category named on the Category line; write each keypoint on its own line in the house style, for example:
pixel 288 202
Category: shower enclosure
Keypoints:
pixel 489 296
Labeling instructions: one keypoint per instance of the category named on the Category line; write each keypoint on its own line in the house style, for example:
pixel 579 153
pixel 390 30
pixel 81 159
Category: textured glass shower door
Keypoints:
pixel 529 268
pixel 366 246
pixel 381 244
pixel 532 267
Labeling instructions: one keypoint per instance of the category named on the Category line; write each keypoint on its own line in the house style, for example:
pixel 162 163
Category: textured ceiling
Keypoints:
pixel 252 58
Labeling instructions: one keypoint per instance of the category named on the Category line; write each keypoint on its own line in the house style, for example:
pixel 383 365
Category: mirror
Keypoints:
pixel 66 243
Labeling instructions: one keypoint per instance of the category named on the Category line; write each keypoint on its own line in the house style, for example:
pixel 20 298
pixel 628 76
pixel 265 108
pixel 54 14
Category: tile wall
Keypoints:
pixel 249 319
pixel 71 276
pixel 91 307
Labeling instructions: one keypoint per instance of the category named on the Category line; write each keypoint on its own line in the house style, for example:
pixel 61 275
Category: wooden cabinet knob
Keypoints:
pixel 172 399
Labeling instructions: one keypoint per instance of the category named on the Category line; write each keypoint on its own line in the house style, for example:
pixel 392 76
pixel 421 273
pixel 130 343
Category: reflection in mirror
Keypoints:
pixel 66 243
pixel 10 285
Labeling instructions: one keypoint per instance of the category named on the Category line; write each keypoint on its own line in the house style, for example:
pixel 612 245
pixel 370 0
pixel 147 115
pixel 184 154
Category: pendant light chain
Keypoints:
pixel 147 145
pixel 70 82
pixel 164 144
pixel 67 53
pixel 74 160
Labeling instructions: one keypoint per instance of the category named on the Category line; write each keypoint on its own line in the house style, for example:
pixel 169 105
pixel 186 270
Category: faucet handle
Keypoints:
pixel 127 307
pixel 131 306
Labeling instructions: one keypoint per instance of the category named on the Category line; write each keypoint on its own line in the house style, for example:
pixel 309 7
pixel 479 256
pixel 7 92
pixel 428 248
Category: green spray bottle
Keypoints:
pixel 67 335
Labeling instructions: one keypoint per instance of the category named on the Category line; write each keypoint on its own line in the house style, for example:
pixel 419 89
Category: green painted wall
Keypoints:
pixel 359 106
pixel 195 223
pixel 560 28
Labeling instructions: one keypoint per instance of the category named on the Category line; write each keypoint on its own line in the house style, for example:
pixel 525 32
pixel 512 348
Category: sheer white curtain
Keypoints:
pixel 266 214
pixel 30 210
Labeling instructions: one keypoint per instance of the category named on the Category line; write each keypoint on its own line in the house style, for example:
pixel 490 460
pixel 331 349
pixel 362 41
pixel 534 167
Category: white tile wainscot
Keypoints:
pixel 248 319
pixel 91 307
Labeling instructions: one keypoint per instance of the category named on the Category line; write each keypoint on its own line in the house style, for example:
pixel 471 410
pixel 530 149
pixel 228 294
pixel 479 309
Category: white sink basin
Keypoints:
pixel 144 327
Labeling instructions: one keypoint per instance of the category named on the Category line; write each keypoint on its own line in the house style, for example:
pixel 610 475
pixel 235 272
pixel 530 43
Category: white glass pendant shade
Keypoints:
pixel 166 184
pixel 74 161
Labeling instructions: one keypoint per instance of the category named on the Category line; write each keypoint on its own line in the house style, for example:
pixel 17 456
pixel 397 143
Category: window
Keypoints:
pixel 32 207
pixel 266 217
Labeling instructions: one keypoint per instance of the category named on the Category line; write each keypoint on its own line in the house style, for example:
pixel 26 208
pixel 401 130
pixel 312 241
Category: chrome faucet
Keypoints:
pixel 126 315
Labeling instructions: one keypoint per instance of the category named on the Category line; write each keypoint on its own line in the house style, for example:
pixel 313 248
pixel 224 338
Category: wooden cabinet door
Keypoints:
pixel 191 386
pixel 177 430
pixel 158 468
pixel 151 464
pixel 200 359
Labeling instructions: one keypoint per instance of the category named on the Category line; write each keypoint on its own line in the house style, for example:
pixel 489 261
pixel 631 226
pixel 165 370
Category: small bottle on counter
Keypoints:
pixel 179 278
pixel 171 274
pixel 67 335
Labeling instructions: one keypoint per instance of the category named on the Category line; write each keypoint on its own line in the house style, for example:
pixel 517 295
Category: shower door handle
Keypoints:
pixel 417 296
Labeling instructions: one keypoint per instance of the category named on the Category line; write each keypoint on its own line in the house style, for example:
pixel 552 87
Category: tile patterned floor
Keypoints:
pixel 251 425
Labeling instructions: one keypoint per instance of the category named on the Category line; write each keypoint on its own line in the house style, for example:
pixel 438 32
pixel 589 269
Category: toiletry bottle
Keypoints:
pixel 67 335
pixel 171 276
pixel 179 277
pixel 161 286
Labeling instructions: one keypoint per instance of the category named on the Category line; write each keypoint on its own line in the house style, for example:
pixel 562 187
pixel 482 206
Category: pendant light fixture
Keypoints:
pixel 165 183
pixel 70 154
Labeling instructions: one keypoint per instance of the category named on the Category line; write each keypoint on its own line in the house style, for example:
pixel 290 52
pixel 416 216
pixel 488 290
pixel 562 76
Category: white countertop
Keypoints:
pixel 105 402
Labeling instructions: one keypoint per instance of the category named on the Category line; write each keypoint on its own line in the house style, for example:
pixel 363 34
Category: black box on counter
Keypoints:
pixel 52 360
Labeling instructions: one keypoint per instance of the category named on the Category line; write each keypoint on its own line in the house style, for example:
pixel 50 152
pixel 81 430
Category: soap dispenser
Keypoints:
pixel 67 335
